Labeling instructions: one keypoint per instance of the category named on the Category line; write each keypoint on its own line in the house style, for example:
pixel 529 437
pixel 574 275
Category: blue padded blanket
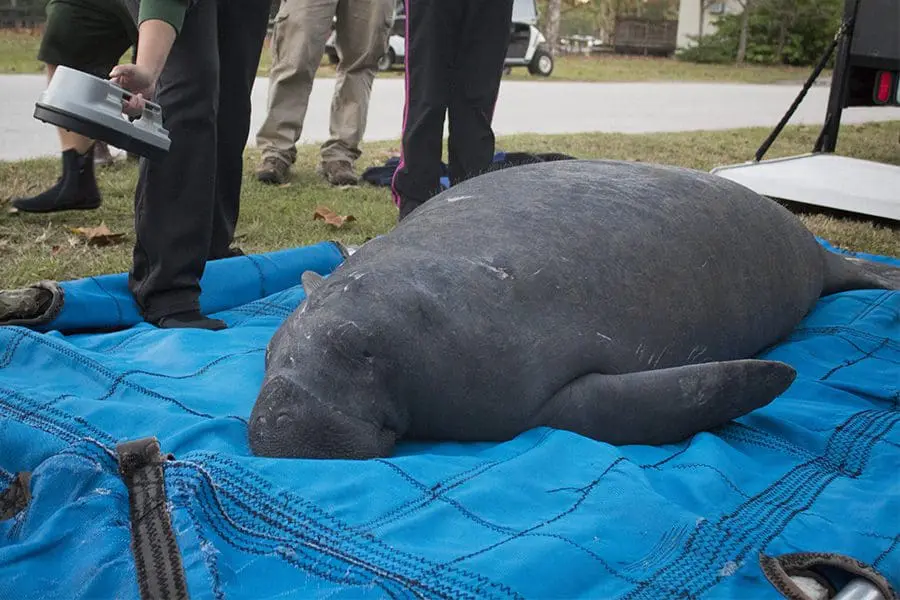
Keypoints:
pixel 546 515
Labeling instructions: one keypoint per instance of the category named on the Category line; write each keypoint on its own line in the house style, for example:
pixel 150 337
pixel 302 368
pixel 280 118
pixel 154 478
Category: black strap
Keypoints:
pixel 156 554
pixel 16 497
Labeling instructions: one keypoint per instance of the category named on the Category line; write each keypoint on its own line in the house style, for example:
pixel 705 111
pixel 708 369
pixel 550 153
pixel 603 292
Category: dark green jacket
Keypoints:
pixel 170 11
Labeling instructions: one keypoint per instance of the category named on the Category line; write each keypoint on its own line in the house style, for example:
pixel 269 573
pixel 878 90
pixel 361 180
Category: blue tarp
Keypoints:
pixel 546 515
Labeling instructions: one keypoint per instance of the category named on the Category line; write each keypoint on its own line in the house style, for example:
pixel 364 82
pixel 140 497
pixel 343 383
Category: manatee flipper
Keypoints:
pixel 311 281
pixel 664 405
pixel 844 273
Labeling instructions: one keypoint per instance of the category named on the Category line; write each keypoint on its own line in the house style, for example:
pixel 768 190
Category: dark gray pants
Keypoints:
pixel 186 205
pixel 455 51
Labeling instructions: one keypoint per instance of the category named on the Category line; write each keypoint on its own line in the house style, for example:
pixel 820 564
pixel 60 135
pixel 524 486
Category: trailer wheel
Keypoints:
pixel 541 63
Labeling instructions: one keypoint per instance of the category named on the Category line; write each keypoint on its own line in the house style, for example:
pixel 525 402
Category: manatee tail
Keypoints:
pixel 664 406
pixel 844 273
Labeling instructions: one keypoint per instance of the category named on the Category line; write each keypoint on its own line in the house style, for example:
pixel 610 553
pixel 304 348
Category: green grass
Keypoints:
pixel 37 247
pixel 18 50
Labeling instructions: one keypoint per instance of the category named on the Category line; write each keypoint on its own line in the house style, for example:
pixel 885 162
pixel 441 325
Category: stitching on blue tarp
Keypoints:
pixel 265 518
pixel 111 297
pixel 797 489
pixel 37 417
pixel 738 432
pixel 193 491
pixel 894 545
pixel 445 485
pixel 583 494
pixel 126 340
pixel 117 379
pixel 16 338
pixel 282 527
pixel 850 363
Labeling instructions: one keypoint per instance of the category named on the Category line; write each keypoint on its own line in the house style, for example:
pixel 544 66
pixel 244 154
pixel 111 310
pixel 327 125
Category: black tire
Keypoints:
pixel 541 63
pixel 387 60
pixel 332 56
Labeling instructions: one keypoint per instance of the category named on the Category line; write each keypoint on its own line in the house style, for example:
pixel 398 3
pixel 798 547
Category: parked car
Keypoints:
pixel 527 45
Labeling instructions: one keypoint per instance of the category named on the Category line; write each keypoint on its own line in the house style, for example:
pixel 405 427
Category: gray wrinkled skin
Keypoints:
pixel 621 301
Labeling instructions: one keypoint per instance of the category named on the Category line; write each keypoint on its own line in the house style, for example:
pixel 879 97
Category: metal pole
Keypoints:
pixel 790 112
pixel 828 136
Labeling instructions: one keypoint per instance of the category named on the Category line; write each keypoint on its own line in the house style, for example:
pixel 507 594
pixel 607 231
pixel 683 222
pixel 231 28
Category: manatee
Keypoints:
pixel 621 301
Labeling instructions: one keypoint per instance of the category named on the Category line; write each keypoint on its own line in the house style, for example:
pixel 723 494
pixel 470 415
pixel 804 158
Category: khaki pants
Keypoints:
pixel 298 43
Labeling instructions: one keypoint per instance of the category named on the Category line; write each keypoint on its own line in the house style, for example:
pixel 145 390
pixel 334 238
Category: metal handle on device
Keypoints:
pixel 859 589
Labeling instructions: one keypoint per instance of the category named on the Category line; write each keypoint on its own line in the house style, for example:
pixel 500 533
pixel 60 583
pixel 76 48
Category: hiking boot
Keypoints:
pixel 273 170
pixel 102 155
pixel 338 172
pixel 76 188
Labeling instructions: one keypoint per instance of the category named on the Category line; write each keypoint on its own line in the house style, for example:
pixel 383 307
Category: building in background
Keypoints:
pixel 698 17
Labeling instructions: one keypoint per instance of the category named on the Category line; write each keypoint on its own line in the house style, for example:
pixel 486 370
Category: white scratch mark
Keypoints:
pixel 605 337
pixel 538 271
pixel 458 198
pixel 729 569
pixel 499 272
pixel 696 353
pixel 661 354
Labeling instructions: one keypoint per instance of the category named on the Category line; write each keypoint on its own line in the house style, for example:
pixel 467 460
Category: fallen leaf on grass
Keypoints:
pixel 331 217
pixel 98 236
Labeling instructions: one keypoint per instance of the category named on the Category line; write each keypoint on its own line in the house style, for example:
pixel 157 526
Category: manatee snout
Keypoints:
pixel 287 421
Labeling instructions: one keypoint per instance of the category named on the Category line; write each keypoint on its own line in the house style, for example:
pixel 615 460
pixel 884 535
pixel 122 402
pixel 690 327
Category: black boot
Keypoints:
pixel 76 188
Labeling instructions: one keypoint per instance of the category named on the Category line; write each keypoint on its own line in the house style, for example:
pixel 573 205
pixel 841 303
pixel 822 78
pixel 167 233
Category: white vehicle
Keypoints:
pixel 526 44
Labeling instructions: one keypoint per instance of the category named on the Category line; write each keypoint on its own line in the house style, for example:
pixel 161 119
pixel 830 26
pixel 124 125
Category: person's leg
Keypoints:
pixel 298 43
pixel 175 196
pixel 431 43
pixel 88 38
pixel 242 30
pixel 361 38
pixel 479 70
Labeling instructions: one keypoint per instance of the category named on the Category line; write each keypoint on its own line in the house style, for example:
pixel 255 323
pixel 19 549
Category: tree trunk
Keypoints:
pixel 553 9
pixel 745 31
pixel 700 24
pixel 788 15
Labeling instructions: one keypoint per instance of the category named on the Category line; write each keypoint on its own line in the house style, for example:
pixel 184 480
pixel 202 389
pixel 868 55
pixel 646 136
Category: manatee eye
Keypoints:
pixel 366 354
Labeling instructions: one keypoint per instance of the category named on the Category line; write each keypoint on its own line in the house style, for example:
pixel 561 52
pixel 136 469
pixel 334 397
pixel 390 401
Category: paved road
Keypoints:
pixel 524 106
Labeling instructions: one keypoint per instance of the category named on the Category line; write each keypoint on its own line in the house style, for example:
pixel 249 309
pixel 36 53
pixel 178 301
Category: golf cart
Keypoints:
pixel 526 44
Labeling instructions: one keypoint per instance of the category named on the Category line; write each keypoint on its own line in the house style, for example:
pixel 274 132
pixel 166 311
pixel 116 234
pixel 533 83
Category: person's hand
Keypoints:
pixel 139 81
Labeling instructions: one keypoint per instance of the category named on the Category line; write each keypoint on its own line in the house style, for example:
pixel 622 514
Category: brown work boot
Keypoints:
pixel 338 172
pixel 102 156
pixel 273 170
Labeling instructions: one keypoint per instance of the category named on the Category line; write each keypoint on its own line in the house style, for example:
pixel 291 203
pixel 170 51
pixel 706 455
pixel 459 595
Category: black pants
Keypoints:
pixel 186 206
pixel 455 50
